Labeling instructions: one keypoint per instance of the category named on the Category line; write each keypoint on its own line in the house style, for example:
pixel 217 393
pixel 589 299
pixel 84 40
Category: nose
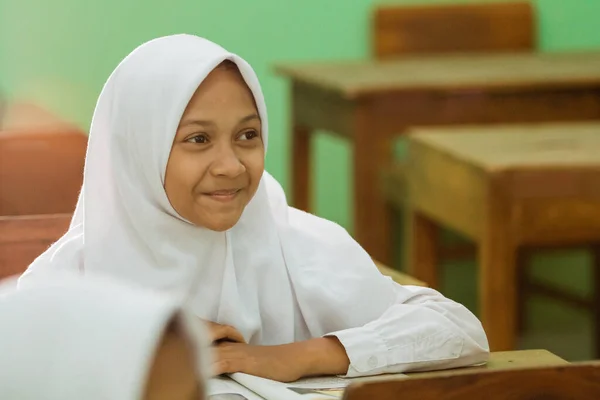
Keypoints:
pixel 227 163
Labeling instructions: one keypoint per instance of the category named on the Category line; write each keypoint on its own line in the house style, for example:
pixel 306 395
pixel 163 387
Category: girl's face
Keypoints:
pixel 217 158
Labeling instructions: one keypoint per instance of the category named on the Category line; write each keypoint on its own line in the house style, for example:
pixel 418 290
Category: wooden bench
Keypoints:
pixel 23 238
pixel 41 169
pixel 458 28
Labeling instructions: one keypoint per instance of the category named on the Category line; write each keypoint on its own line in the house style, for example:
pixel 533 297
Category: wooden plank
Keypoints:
pixel 23 238
pixel 395 111
pixel 446 189
pixel 41 170
pixel 558 221
pixel 32 227
pixel 399 277
pixel 501 360
pixel 500 72
pixel 519 146
pixel 443 28
pixel 572 381
pixel 317 108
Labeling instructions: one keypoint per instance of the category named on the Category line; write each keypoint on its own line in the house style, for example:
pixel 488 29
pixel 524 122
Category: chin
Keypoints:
pixel 219 226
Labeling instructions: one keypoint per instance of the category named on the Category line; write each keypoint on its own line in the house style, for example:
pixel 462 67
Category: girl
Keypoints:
pixel 175 197
pixel 94 339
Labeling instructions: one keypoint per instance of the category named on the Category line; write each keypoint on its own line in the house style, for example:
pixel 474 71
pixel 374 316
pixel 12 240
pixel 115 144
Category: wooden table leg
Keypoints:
pixel 523 257
pixel 301 171
pixel 422 236
pixel 596 294
pixel 372 213
pixel 498 276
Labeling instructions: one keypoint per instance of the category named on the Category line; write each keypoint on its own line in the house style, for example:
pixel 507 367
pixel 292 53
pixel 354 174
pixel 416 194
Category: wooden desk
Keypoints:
pixel 502 360
pixel 505 360
pixel 506 188
pixel 554 379
pixel 370 103
pixel 399 277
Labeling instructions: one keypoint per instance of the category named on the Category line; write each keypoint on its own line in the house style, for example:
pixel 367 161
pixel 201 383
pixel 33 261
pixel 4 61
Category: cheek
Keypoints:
pixel 184 171
pixel 255 165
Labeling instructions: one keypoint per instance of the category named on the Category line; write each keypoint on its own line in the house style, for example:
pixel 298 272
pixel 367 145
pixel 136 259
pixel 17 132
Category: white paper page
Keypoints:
pixel 227 389
pixel 318 388
pixel 331 387
pixel 270 390
pixel 326 387
pixel 321 388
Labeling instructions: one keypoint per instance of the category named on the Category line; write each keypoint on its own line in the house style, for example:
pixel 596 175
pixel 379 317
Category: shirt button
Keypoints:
pixel 372 362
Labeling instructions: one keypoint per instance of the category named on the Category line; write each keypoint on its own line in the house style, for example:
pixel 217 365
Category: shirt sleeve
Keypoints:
pixel 384 327
pixel 423 330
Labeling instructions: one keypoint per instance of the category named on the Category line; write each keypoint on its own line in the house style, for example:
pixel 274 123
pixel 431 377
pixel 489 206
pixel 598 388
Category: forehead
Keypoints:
pixel 223 89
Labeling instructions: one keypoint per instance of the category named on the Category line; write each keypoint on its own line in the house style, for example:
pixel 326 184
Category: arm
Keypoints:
pixel 352 319
pixel 383 327
pixel 422 331
pixel 425 331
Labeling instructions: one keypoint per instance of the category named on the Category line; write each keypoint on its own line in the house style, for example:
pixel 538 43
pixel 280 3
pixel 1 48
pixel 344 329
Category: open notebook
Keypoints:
pixel 240 386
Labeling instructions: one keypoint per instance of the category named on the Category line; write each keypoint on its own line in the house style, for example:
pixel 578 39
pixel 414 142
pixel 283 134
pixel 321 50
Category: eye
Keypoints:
pixel 249 135
pixel 201 139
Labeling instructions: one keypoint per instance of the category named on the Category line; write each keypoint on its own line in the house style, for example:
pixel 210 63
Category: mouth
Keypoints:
pixel 223 195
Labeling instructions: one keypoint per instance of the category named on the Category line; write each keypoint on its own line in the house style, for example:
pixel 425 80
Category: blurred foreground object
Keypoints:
pixel 70 338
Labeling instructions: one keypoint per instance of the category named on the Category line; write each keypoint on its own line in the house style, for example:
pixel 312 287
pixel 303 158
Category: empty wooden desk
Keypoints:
pixel 372 102
pixel 505 188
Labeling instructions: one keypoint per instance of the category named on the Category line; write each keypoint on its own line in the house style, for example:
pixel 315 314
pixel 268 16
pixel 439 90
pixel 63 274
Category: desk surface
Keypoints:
pixel 461 72
pixel 498 361
pixel 517 146
pixel 506 360
pixel 399 277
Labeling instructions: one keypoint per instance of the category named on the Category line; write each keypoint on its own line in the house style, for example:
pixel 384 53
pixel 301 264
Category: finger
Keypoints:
pixel 212 328
pixel 216 331
pixel 233 334
pixel 224 367
pixel 226 360
pixel 226 332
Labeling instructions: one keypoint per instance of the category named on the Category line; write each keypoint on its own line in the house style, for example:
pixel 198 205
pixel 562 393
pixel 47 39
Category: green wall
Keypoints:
pixel 60 52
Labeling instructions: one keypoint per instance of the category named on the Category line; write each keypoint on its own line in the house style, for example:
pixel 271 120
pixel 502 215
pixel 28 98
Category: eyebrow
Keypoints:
pixel 202 122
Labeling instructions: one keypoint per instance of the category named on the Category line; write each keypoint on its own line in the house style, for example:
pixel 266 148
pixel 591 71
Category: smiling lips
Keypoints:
pixel 223 195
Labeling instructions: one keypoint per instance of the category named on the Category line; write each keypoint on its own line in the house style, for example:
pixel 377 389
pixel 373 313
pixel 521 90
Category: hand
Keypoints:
pixel 219 333
pixel 284 363
pixel 280 363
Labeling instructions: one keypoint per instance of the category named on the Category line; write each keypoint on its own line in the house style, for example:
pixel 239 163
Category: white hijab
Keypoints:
pixel 279 275
pixel 74 339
